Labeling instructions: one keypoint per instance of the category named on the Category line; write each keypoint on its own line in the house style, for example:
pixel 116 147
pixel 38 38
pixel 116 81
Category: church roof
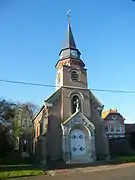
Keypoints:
pixel 46 101
pixel 69 42
pixel 84 118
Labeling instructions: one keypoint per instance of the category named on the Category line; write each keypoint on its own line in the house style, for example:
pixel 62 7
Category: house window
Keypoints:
pixel 75 103
pixel 117 128
pixel 106 128
pixel 120 128
pixel 74 75
pixel 123 129
pixel 112 128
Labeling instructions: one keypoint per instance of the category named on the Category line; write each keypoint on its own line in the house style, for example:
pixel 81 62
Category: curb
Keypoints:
pixel 88 169
pixel 105 168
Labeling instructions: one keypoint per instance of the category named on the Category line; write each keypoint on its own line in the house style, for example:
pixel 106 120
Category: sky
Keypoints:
pixel 31 36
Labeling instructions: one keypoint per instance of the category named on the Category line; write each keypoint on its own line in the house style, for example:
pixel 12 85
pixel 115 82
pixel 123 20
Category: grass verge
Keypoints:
pixel 14 166
pixel 126 158
pixel 20 173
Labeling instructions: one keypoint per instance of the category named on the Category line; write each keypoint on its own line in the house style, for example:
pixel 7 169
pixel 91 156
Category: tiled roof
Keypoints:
pixel 107 112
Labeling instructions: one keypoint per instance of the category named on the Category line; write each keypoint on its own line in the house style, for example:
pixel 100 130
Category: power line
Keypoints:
pixel 27 83
pixel 115 91
pixel 48 85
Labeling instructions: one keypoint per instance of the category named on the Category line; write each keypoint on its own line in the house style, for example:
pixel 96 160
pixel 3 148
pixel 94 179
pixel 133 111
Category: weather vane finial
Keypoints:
pixel 68 15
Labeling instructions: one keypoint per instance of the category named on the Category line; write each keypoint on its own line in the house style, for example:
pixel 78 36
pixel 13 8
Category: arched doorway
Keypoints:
pixel 77 142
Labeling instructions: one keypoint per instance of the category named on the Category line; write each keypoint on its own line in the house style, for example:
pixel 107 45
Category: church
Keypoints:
pixel 69 126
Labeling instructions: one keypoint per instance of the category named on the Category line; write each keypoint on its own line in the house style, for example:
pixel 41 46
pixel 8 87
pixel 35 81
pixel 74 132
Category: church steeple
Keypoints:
pixel 69 54
pixel 70 68
pixel 69 49
pixel 69 42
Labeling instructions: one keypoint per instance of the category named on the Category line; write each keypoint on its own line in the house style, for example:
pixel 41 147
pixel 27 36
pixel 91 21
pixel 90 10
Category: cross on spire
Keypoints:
pixel 68 15
pixel 69 42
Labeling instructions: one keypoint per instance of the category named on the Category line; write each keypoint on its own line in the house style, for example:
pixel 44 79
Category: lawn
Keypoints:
pixel 14 166
pixel 127 158
pixel 20 173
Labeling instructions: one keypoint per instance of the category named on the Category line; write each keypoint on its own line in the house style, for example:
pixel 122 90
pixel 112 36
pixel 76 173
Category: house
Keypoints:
pixel 68 126
pixel 121 136
pixel 114 124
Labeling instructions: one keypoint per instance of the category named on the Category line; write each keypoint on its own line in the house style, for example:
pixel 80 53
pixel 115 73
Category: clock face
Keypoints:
pixel 74 53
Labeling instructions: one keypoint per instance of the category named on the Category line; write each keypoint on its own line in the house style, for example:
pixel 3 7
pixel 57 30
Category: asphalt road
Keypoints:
pixel 120 173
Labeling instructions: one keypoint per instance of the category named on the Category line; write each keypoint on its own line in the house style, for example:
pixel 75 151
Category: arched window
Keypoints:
pixel 74 75
pixel 75 103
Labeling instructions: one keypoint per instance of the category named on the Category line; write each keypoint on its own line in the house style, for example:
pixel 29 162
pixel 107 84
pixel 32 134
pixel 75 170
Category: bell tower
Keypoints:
pixel 70 67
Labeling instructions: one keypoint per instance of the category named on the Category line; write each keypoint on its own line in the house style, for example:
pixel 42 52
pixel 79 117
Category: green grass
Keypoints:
pixel 20 173
pixel 127 158
pixel 14 166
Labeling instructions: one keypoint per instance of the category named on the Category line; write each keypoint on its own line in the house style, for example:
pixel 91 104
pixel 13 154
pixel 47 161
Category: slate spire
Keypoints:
pixel 69 42
pixel 69 49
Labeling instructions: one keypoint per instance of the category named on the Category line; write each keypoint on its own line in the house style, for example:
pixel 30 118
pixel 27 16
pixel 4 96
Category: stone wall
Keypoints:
pixel 120 146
